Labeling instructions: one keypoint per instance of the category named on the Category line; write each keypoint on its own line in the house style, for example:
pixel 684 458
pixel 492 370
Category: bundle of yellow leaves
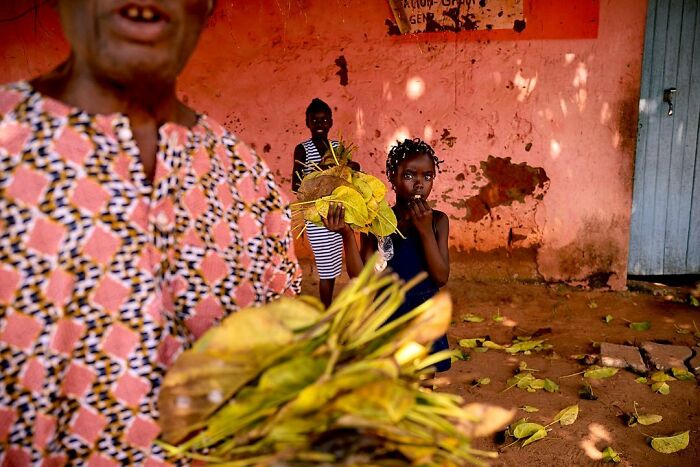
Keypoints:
pixel 362 195
pixel 290 383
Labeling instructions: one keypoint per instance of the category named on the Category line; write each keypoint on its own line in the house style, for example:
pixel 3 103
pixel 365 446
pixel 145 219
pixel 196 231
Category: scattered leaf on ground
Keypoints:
pixel 471 343
pixel 510 431
pixel 694 300
pixel 661 388
pixel 596 372
pixel 608 318
pixel 529 408
pixel 680 330
pixel 497 319
pixel 483 381
pixel 472 318
pixel 682 374
pixel 649 419
pixel 641 380
pixel 660 376
pixel 550 386
pixel 671 444
pixel 592 305
pixel 539 434
pixel 523 346
pixel 523 430
pixel 567 416
pixel 609 455
pixel 642 326
pixel 481 349
pixel 492 345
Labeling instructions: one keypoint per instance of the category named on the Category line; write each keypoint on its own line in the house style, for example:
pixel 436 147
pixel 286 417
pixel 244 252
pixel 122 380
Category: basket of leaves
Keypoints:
pixel 336 181
pixel 293 384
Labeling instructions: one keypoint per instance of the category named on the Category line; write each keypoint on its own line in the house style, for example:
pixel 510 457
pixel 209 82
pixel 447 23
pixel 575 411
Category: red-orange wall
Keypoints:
pixel 563 110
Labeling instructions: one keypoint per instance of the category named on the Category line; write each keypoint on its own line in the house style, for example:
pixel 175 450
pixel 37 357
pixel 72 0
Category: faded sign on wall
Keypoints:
pixel 414 16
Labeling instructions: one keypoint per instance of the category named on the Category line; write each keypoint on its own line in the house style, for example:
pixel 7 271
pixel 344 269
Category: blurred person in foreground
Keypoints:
pixel 129 225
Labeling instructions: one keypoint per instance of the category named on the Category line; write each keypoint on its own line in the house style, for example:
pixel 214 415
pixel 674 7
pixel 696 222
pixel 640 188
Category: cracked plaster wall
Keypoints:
pixel 537 135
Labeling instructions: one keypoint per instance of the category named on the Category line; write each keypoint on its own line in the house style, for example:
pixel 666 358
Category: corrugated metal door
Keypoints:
pixel 665 231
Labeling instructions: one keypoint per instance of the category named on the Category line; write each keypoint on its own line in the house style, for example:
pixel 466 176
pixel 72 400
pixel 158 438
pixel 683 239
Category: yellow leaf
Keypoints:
pixel 384 223
pixel 567 416
pixel 600 372
pixel 671 444
pixel 526 429
pixel 649 419
pixel 536 436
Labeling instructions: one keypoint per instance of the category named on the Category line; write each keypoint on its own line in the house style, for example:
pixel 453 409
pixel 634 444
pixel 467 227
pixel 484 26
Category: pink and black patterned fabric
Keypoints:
pixel 105 277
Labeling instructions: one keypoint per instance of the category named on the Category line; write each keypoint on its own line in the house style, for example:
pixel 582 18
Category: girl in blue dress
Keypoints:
pixel 411 168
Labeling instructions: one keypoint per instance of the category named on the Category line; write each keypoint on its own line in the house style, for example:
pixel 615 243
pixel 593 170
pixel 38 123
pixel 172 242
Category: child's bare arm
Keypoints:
pixel 435 243
pixel 368 246
pixel 298 167
pixel 335 222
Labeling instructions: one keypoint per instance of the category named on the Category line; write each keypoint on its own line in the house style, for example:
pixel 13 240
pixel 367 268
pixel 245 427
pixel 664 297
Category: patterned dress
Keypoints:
pixel 326 245
pixel 105 277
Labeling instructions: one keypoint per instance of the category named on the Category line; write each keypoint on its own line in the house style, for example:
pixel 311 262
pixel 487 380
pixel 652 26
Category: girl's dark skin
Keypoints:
pixel 118 65
pixel 319 123
pixel 412 182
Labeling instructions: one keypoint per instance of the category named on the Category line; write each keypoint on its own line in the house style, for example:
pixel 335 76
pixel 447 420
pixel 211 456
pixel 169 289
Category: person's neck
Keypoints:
pixel 401 209
pixel 320 140
pixel 79 88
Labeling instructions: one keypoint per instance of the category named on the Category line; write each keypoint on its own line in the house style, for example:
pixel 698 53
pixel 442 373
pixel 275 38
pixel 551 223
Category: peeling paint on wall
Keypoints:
pixel 507 183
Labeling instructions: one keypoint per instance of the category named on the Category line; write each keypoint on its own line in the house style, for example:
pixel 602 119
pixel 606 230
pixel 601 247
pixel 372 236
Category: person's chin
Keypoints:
pixel 136 65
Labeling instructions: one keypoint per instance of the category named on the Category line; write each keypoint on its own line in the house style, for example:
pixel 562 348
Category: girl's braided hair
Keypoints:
pixel 407 148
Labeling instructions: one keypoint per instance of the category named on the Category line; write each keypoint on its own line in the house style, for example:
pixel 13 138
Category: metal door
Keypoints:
pixel 665 230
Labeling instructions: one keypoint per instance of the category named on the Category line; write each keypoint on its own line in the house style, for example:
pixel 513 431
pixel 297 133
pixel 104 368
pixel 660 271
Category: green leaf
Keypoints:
pixel 608 318
pixel 567 416
pixel 523 346
pixel 609 455
pixel 660 376
pixel 497 318
pixel 472 318
pixel 483 381
pixel 471 343
pixel 384 223
pixel 550 386
pixel 661 388
pixel 596 372
pixel 649 419
pixel 511 428
pixel 539 434
pixel 492 345
pixel 529 408
pixel 641 380
pixel 682 374
pixel 694 300
pixel 526 429
pixel 537 384
pixel 642 326
pixel 671 444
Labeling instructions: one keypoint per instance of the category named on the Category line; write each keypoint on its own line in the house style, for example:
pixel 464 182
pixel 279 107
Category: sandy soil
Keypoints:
pixel 575 317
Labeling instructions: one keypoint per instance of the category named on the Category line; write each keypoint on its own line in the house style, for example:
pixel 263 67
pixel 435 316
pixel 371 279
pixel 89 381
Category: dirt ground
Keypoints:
pixel 575 317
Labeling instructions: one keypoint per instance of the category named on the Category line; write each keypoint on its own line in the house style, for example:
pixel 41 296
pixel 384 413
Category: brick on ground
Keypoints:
pixel 622 356
pixel 665 357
